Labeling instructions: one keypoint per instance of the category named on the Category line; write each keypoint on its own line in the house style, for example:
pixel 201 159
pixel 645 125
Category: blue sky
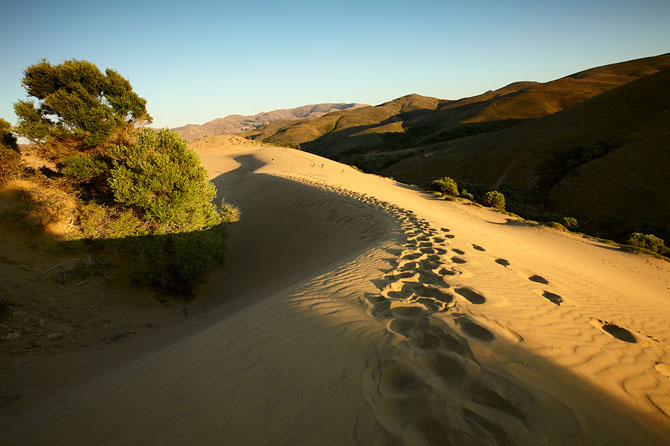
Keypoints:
pixel 197 61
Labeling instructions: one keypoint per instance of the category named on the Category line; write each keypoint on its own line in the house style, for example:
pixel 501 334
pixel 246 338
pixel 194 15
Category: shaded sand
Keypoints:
pixel 361 311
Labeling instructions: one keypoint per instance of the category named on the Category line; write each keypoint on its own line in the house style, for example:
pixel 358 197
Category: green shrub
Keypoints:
pixel 7 138
pixel 445 185
pixel 647 241
pixel 11 164
pixel 570 223
pixel 494 199
pixel 83 167
pixel 100 222
pixel 229 212
pixel 176 263
pixel 467 195
pixel 163 181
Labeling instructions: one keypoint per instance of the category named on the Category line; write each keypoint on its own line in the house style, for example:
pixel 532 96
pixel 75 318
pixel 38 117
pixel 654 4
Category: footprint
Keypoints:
pixel 397 382
pixel 616 331
pixel 410 310
pixel 502 262
pixel 553 298
pixel 474 331
pixel 446 230
pixel 472 296
pixel 538 279
pixel 449 236
pixel 458 251
pixel 448 366
pixel 478 248
pixel 447 272
pixel 457 260
pixel 412 256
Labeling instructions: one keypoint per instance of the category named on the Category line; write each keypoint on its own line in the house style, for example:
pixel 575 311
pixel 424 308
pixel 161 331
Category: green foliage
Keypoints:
pixel 100 222
pixel 11 165
pixel 468 195
pixel 83 167
pixel 162 180
pixel 229 212
pixel 446 185
pixel 570 223
pixel 494 199
pixel 7 139
pixel 176 263
pixel 647 241
pixel 76 102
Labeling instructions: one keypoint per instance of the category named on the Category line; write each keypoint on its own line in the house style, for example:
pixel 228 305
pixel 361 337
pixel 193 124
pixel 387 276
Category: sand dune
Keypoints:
pixel 361 311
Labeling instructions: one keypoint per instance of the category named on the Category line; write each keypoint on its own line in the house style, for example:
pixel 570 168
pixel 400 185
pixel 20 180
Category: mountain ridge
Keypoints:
pixel 233 124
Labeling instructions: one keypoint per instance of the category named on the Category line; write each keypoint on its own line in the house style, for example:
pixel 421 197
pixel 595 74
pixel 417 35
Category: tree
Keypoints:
pixel 494 199
pixel 76 103
pixel 163 181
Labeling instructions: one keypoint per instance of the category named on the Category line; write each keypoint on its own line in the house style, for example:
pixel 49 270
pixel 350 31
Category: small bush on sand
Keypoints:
pixel 467 195
pixel 570 223
pixel 494 199
pixel 649 242
pixel 445 185
pixel 229 212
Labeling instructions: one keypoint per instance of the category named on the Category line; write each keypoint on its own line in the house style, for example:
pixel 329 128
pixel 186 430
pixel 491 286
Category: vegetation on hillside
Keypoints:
pixel 10 157
pixel 589 146
pixel 139 194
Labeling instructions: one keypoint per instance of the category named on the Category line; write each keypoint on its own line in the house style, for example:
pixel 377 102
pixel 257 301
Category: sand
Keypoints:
pixel 356 310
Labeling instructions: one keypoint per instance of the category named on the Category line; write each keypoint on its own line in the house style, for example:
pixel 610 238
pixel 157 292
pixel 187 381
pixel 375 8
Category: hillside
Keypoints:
pixel 603 161
pixel 237 123
pixel 550 145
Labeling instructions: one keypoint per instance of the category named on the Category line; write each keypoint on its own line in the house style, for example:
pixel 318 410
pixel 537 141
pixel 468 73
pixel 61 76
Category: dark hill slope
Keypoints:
pixel 416 120
pixel 604 161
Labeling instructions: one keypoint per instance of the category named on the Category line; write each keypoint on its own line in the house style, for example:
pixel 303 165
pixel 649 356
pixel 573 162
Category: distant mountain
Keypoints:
pixel 593 145
pixel 237 123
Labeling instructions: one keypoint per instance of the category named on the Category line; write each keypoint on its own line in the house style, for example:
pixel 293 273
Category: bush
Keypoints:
pixel 445 185
pixel 7 139
pixel 176 263
pixel 468 195
pixel 647 241
pixel 99 222
pixel 163 181
pixel 83 167
pixel 570 223
pixel 229 212
pixel 11 164
pixel 494 199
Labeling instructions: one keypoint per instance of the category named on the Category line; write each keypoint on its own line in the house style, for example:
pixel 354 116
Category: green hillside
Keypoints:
pixel 367 135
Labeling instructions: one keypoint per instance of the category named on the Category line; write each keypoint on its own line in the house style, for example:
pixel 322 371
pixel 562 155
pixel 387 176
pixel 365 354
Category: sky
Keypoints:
pixel 201 60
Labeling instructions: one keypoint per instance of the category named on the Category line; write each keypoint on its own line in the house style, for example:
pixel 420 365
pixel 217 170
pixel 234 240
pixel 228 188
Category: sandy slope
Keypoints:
pixel 363 311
